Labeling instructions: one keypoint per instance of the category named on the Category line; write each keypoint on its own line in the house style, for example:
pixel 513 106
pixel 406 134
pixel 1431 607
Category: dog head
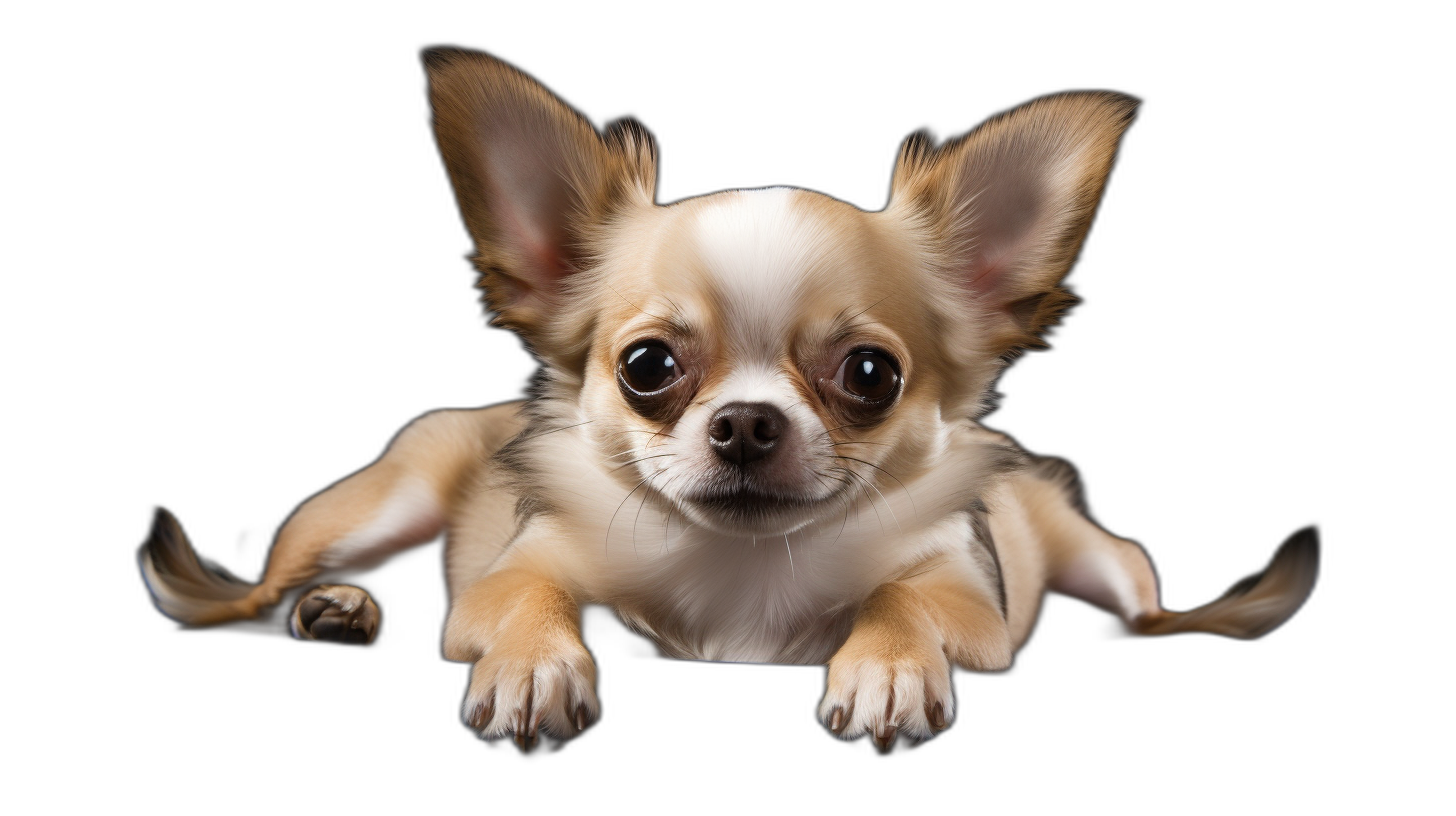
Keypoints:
pixel 760 359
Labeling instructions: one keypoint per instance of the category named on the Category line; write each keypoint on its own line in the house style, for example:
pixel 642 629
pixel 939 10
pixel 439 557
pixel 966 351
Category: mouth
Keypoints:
pixel 750 501
pixel 751 509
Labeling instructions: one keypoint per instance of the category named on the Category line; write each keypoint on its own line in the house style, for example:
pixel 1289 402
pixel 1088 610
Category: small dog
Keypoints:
pixel 754 430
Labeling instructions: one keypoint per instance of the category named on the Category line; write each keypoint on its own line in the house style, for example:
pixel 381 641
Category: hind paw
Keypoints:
pixel 335 612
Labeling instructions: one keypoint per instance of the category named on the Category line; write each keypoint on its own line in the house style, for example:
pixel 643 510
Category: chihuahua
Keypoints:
pixel 755 430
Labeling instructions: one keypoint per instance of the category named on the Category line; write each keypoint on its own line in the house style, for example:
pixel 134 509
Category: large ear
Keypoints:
pixel 532 177
pixel 1011 201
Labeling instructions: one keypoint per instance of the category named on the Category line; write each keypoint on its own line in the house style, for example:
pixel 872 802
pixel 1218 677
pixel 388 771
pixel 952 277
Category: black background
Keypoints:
pixel 293 289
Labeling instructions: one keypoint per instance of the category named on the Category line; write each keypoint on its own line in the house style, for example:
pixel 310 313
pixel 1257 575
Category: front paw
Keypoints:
pixel 526 692
pixel 887 690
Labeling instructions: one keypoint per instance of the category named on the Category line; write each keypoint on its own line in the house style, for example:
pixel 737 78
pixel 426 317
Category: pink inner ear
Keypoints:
pixel 989 274
pixel 541 254
pixel 1004 230
pixel 550 264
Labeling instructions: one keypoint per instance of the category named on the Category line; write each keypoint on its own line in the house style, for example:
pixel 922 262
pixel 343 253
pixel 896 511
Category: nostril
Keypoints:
pixel 721 430
pixel 766 430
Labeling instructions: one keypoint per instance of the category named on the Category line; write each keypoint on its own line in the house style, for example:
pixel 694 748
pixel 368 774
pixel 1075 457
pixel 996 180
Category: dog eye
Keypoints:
pixel 649 367
pixel 869 375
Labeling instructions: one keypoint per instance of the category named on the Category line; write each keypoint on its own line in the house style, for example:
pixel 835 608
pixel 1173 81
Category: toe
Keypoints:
pixel 310 608
pixel 333 624
pixel 478 713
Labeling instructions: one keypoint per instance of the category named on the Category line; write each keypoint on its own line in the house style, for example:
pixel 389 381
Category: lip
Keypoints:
pixel 747 500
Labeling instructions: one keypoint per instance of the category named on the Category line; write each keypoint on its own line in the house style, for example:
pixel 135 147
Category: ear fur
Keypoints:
pixel 533 179
pixel 1009 203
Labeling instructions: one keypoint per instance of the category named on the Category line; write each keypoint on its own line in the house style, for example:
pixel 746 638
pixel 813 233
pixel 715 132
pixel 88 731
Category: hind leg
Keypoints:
pixel 398 504
pixel 1114 574
pixel 1084 560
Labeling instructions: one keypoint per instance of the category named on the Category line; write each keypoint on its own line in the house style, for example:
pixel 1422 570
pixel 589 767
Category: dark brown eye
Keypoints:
pixel 648 367
pixel 869 375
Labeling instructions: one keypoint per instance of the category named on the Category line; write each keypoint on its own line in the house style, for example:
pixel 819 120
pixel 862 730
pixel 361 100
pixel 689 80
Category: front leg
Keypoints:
pixel 532 672
pixel 892 676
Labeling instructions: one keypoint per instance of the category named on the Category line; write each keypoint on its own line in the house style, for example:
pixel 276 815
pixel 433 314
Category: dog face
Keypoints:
pixel 760 359
pixel 746 346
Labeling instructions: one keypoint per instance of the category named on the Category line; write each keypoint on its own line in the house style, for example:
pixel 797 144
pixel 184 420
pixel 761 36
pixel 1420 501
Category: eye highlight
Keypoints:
pixel 648 367
pixel 869 375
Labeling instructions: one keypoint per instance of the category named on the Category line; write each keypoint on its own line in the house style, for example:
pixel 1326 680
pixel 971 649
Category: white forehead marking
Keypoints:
pixel 756 382
pixel 760 250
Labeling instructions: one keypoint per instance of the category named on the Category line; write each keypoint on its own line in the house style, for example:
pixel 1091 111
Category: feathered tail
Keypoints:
pixel 185 589
pixel 1255 606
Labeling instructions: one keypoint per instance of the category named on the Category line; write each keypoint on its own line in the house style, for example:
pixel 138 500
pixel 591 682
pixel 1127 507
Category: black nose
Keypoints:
pixel 746 431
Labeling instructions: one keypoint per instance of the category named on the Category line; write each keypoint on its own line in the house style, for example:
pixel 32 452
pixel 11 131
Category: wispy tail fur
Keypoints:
pixel 1255 606
pixel 186 587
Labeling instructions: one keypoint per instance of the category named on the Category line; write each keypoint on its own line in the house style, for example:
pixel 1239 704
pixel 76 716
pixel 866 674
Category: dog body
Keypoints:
pixel 755 430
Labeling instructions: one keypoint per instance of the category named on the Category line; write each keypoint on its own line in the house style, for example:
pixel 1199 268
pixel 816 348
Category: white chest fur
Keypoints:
pixel 780 599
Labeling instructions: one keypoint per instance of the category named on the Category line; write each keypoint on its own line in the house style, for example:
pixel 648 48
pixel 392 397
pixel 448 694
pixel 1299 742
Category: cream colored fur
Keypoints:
pixel 909 539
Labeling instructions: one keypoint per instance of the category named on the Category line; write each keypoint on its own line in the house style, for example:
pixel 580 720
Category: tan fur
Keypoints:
pixel 975 632
pixel 532 673
pixel 440 451
pixel 896 537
